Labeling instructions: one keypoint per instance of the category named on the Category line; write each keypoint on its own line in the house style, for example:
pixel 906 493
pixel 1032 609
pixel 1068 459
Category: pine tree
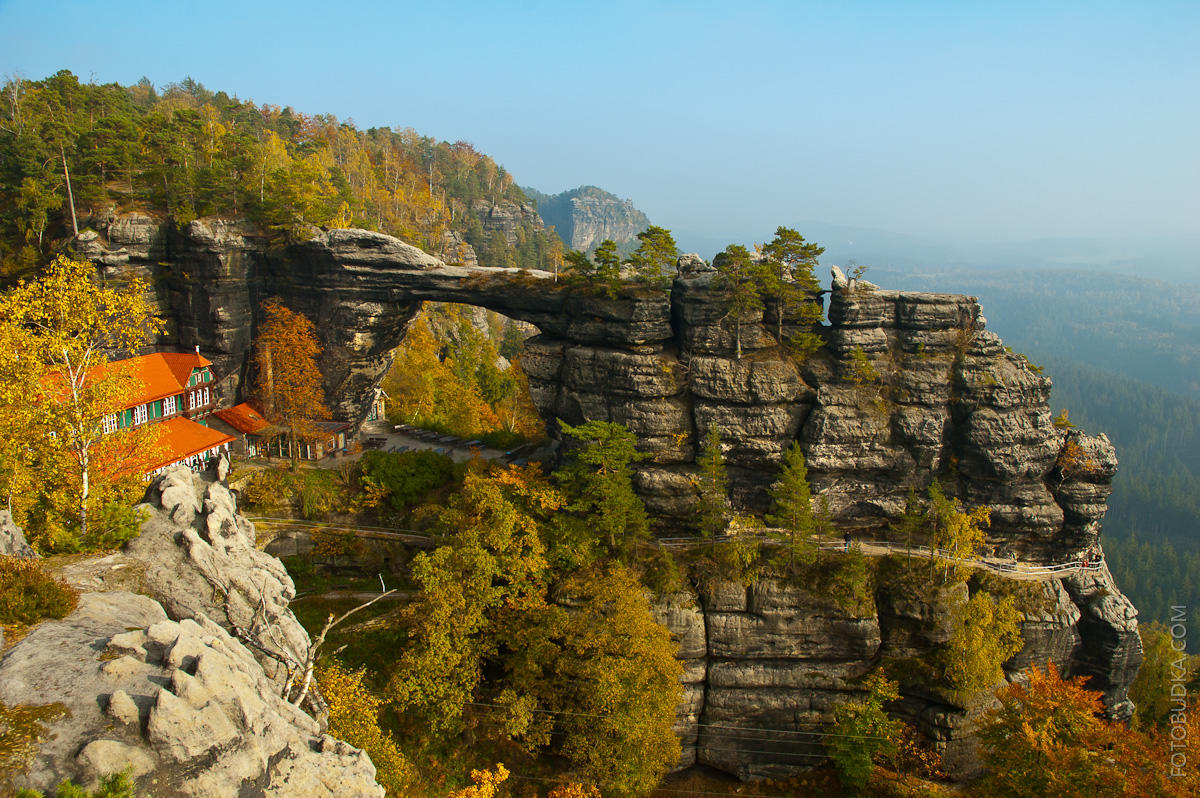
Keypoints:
pixel 739 278
pixel 793 506
pixel 713 507
pixel 789 280
pixel 602 477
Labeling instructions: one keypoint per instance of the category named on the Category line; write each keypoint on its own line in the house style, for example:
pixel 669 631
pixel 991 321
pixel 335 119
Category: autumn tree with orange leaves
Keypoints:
pixel 1048 737
pixel 289 381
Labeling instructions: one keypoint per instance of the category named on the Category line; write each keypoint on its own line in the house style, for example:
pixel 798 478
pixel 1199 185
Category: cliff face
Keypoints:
pixel 585 216
pixel 766 663
pixel 906 387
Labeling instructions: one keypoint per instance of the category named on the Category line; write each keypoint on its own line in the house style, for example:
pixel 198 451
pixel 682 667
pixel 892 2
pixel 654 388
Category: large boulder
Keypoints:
pixel 12 539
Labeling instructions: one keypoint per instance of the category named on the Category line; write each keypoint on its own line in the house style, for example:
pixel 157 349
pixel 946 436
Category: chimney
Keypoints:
pixel 197 349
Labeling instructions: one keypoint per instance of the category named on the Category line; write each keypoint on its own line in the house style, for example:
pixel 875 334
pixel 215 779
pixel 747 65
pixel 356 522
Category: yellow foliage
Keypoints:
pixel 986 634
pixel 426 391
pixel 354 717
pixel 487 782
pixel 1074 461
pixel 56 336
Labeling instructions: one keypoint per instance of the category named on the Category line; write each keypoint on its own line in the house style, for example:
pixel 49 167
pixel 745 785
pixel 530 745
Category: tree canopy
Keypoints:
pixel 65 477
pixel 71 150
pixel 286 351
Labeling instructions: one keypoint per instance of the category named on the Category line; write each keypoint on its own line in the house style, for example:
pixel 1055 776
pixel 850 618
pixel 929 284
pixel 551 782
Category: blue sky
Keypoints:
pixel 961 121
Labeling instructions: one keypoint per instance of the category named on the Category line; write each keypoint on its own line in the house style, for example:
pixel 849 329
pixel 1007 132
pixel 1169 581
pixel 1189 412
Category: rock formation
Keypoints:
pixel 906 388
pixel 506 217
pixel 12 538
pixel 585 216
pixel 766 663
pixel 940 396
pixel 175 664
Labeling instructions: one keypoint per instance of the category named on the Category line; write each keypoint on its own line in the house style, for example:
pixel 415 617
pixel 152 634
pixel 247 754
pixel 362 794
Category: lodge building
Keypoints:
pixel 176 392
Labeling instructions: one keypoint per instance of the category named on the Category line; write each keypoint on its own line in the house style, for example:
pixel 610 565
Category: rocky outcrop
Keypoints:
pixel 176 663
pixel 204 278
pixel 12 538
pixel 585 216
pixel 905 388
pixel 766 663
pixel 196 557
pixel 506 217
pixel 184 706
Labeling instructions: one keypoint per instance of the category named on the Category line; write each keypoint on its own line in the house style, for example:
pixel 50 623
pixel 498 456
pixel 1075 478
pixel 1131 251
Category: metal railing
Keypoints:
pixel 409 536
pixel 1006 567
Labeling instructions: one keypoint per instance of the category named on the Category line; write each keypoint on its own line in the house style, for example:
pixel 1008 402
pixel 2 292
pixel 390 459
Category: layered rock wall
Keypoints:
pixel 766 663
pixel 906 388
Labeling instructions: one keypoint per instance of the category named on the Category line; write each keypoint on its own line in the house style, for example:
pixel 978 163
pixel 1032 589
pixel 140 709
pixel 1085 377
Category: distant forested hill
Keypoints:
pixel 72 153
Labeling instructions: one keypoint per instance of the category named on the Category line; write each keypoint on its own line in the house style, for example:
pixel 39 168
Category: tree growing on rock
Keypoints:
pixel 986 633
pixel 289 382
pixel 739 278
pixel 713 507
pixel 793 510
pixel 956 534
pixel 788 279
pixel 600 477
pixel 604 272
pixel 655 256
pixel 863 731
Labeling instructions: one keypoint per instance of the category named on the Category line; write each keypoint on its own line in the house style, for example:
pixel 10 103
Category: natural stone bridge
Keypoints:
pixel 950 402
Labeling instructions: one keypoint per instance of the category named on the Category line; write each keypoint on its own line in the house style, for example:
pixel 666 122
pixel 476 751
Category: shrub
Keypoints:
pixel 405 477
pixel 115 785
pixel 28 594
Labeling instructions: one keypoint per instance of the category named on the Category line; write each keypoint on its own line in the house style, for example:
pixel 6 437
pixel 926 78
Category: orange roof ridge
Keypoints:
pixel 158 374
pixel 244 418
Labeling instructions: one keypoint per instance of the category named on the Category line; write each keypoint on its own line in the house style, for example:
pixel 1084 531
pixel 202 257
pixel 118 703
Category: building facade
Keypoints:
pixel 176 392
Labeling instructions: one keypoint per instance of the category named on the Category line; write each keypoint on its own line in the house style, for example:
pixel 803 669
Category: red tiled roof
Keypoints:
pixel 181 437
pixel 243 418
pixel 158 375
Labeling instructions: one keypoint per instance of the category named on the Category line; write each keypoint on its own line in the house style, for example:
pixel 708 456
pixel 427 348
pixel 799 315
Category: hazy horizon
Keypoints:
pixel 940 122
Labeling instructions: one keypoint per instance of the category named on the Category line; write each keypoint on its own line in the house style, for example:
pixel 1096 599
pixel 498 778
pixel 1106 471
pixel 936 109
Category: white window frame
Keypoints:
pixel 140 415
pixel 205 396
pixel 168 406
pixel 109 423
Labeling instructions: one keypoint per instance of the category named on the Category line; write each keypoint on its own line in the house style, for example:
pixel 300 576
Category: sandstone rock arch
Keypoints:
pixel 951 403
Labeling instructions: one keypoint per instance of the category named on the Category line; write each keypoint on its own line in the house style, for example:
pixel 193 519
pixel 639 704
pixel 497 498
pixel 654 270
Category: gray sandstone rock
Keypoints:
pixel 12 539
pixel 948 403
pixel 190 711
pixel 198 559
